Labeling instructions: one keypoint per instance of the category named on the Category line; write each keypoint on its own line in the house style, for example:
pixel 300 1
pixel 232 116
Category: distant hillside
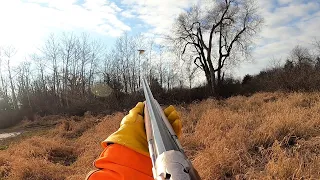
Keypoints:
pixel 266 136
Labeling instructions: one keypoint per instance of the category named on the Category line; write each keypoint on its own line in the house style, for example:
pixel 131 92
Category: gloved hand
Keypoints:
pixel 132 133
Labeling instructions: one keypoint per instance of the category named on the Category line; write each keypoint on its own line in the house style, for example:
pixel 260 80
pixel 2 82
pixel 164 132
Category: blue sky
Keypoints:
pixel 25 24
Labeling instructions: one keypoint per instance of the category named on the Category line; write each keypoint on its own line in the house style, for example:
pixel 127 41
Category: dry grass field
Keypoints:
pixel 266 136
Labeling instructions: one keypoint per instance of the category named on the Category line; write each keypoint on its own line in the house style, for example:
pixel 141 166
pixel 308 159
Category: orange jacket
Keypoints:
pixel 117 162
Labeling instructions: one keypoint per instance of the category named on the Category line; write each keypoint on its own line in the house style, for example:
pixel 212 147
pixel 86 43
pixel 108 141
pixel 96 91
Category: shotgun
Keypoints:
pixel 168 158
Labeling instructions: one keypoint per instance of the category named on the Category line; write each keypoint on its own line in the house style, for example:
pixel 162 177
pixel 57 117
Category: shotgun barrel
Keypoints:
pixel 168 158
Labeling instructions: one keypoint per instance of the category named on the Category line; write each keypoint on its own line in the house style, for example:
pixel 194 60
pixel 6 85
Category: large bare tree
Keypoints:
pixel 216 34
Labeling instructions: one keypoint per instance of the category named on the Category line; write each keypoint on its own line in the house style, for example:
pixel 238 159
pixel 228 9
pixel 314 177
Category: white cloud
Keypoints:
pixel 59 4
pixel 159 15
pixel 294 23
pixel 286 14
pixel 127 14
pixel 282 2
pixel 25 24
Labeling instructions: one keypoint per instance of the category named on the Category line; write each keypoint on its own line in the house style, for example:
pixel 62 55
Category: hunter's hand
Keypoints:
pixel 132 133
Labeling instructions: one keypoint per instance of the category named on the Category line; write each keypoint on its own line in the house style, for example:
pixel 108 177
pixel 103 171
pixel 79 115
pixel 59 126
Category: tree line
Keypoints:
pixel 60 77
pixel 300 72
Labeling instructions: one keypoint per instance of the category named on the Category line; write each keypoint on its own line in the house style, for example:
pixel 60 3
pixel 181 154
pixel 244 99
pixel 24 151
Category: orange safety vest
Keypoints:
pixel 118 162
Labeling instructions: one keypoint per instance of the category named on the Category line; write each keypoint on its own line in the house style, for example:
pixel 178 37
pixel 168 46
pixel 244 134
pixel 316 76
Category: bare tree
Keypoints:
pixel 301 56
pixel 171 74
pixel 40 67
pixel 51 52
pixel 190 70
pixel 9 52
pixel 140 47
pixel 160 65
pixel 24 83
pixel 95 56
pixel 123 55
pixel 317 46
pixel 67 48
pixel 4 84
pixel 216 34
pixel 84 59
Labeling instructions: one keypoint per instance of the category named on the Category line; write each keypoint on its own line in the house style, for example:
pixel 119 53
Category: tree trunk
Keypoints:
pixel 14 97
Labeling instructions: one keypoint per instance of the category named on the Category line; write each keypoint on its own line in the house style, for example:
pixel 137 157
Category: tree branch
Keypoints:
pixel 195 62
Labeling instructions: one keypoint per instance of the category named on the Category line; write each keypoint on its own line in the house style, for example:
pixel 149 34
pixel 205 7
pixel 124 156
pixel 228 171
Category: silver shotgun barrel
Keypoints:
pixel 168 158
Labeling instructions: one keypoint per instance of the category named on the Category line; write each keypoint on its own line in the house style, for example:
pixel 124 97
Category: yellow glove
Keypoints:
pixel 132 133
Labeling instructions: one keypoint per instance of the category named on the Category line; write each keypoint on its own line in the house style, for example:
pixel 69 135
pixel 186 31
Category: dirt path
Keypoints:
pixel 8 135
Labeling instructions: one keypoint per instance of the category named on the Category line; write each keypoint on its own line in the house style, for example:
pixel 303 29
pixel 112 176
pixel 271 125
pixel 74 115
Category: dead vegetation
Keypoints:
pixel 266 136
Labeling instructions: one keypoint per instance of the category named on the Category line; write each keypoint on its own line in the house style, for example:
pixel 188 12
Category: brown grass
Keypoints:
pixel 266 136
